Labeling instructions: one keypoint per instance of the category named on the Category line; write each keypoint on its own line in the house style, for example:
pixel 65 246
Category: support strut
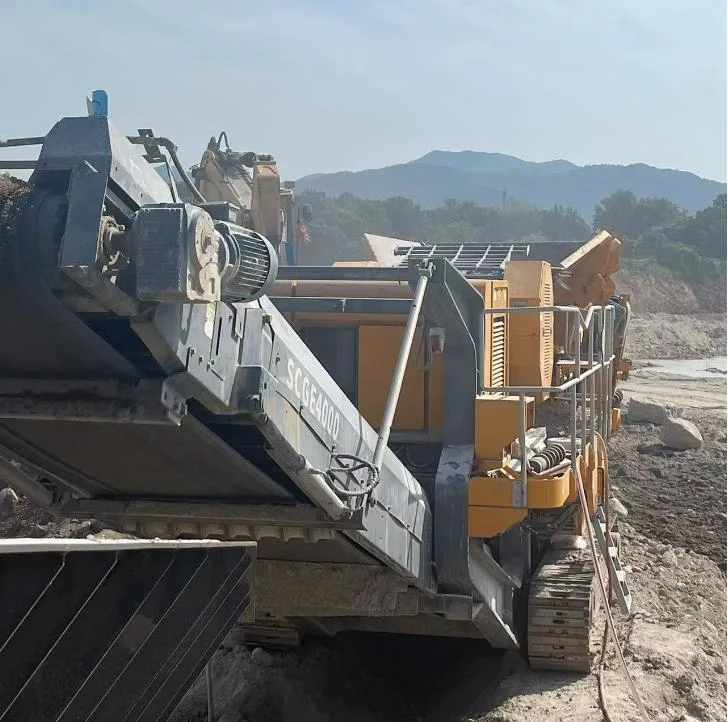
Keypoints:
pixel 399 370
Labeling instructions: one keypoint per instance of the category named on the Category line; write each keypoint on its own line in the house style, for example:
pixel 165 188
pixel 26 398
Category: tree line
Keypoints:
pixel 339 223
pixel 659 236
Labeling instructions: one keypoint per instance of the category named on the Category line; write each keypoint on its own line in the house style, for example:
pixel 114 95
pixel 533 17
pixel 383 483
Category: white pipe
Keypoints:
pixel 315 484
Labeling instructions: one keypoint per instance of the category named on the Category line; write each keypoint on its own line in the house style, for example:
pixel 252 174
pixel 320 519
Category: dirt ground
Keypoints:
pixel 675 552
pixel 352 678
pixel 650 294
pixel 674 336
pixel 674 645
pixel 677 497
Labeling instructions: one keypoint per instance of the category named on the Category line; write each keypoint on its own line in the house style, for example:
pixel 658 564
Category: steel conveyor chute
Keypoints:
pixel 101 630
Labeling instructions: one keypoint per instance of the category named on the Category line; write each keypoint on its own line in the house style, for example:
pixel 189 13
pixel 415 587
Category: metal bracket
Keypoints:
pixel 174 402
pixel 151 145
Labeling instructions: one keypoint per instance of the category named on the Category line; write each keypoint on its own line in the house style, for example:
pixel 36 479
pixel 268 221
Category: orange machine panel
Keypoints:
pixel 378 351
pixel 495 295
pixel 530 335
pixel 591 268
pixel 497 424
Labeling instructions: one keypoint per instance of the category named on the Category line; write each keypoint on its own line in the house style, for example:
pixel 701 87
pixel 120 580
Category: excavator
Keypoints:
pixel 414 443
pixel 259 199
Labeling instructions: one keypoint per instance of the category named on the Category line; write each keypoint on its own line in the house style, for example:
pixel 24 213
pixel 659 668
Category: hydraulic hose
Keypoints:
pixel 171 148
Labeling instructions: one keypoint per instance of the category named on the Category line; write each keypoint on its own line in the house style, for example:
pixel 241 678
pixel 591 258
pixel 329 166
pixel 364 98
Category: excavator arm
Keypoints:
pixel 251 185
pixel 248 181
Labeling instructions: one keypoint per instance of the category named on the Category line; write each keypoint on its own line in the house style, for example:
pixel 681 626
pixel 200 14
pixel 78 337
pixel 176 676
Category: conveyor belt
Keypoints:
pixel 130 393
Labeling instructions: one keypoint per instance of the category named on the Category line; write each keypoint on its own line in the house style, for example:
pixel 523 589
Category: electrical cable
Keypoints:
pixel 600 676
pixel 172 184
pixel 605 599
pixel 172 150
pixel 605 635
pixel 222 135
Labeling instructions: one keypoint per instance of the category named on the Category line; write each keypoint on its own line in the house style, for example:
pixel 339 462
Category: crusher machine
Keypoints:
pixel 361 439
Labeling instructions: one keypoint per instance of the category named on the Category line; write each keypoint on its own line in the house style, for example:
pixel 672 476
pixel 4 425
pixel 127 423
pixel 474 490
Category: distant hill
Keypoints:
pixel 482 178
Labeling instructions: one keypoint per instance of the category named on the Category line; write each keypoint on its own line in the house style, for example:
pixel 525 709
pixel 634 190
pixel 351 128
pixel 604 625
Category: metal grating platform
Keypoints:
pixel 473 260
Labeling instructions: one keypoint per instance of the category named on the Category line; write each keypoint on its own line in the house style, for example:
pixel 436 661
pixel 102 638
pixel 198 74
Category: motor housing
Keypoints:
pixel 181 254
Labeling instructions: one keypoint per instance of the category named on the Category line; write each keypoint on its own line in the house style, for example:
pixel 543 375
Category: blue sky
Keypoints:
pixel 326 85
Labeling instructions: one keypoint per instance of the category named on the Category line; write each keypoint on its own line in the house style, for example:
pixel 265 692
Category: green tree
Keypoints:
pixel 659 212
pixel 630 217
pixel 617 213
pixel 405 217
pixel 706 231
pixel 338 224
pixel 559 224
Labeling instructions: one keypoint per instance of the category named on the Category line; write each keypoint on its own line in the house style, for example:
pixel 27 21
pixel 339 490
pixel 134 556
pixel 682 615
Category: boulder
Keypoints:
pixel 643 410
pixel 563 541
pixel 680 435
pixel 8 502
pixel 616 507
pixel 260 656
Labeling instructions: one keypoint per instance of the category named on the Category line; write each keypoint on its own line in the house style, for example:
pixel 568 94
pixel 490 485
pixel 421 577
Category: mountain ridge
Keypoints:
pixel 482 177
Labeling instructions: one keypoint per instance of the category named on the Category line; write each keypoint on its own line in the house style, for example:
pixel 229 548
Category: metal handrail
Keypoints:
pixel 595 319
pixel 20 143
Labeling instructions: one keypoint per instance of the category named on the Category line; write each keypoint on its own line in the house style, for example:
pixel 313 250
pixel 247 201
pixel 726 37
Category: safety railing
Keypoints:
pixel 596 322
pixel 19 143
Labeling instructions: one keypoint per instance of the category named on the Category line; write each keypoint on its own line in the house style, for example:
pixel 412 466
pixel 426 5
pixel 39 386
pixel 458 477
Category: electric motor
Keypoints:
pixel 182 254
pixel 248 263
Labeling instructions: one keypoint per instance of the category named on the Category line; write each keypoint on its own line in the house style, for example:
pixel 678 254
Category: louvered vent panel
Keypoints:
pixel 498 352
pixel 548 335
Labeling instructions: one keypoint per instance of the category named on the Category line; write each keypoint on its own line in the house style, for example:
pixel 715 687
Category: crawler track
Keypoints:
pixel 561 605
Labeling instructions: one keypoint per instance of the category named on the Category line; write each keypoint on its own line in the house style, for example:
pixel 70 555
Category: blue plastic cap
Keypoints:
pixel 99 104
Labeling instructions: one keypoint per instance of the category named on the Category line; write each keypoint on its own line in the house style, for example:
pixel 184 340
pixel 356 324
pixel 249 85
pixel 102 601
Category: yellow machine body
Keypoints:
pixel 378 341
pixel 258 192
pixel 519 351
pixel 491 510
pixel 530 341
